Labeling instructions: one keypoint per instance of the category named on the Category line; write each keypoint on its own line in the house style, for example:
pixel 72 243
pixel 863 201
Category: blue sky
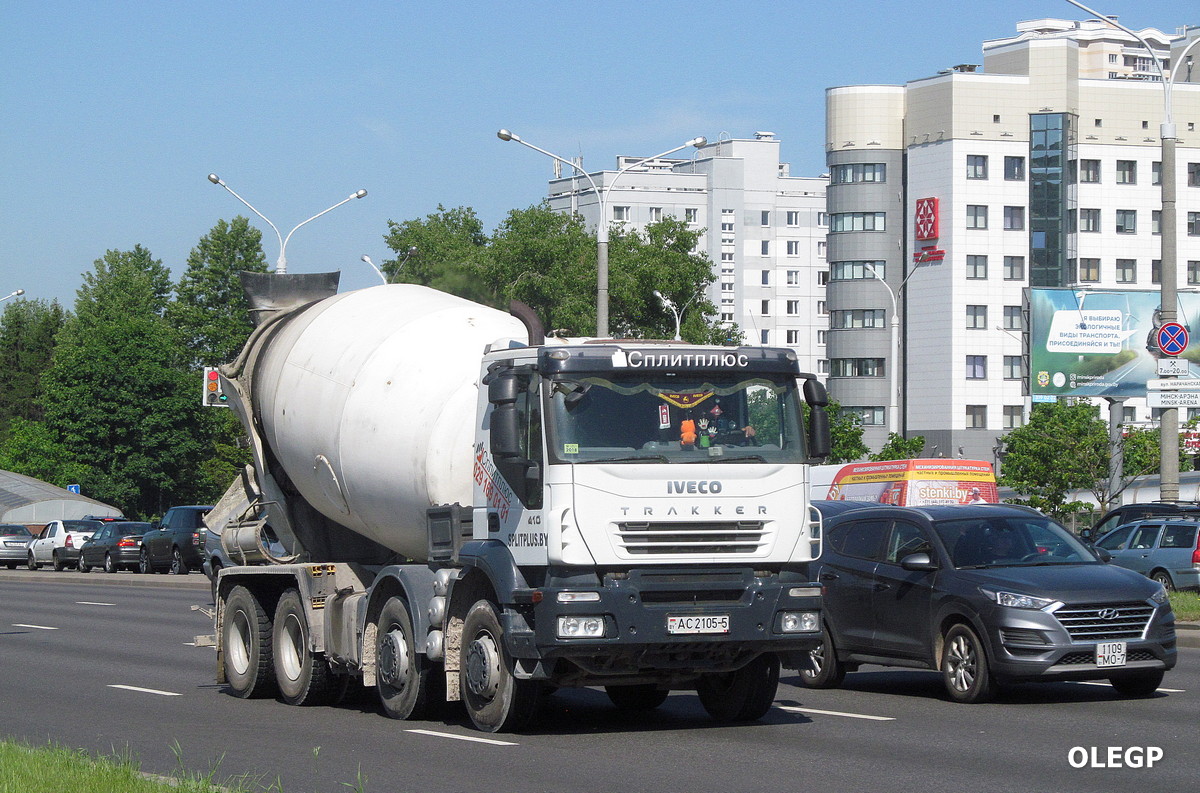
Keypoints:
pixel 113 113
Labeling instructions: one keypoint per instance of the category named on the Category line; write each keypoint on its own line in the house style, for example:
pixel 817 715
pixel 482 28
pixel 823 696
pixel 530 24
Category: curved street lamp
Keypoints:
pixel 670 304
pixel 602 225
pixel 281 262
pixel 15 293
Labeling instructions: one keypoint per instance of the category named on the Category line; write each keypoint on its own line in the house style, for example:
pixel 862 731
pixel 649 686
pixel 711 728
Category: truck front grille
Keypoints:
pixel 1098 622
pixel 707 538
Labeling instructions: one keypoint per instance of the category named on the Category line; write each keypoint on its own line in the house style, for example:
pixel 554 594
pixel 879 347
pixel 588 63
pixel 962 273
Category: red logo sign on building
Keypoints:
pixel 926 221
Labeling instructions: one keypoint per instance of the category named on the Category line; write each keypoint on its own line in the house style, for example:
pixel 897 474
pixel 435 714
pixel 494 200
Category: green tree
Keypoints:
pixel 845 434
pixel 898 447
pixel 443 250
pixel 33 449
pixel 210 311
pixel 120 397
pixel 27 332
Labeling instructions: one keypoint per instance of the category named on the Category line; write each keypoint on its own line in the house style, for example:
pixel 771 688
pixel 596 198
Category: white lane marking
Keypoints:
pixel 92 603
pixel 147 691
pixel 1105 683
pixel 464 737
pixel 36 627
pixel 795 709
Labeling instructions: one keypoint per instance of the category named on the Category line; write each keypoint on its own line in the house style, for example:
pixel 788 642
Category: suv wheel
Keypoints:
pixel 965 669
pixel 144 565
pixel 178 567
pixel 825 671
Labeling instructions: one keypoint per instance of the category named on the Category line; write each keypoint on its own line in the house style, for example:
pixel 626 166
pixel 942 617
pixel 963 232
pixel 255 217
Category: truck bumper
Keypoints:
pixel 662 622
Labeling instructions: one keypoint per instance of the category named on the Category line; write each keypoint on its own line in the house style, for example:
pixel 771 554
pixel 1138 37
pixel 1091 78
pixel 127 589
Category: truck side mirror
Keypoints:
pixel 820 444
pixel 505 425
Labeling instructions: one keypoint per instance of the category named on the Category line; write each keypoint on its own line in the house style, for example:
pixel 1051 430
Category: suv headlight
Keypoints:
pixel 1160 596
pixel 1016 600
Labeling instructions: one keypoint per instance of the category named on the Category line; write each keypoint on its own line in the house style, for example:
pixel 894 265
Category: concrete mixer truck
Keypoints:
pixel 446 505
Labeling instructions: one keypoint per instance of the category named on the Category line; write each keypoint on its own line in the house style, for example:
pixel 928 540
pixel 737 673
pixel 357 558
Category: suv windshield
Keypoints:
pixel 1010 541
pixel 665 419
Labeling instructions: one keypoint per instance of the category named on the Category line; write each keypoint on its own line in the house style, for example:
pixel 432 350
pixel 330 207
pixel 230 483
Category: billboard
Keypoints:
pixel 916 482
pixel 1102 343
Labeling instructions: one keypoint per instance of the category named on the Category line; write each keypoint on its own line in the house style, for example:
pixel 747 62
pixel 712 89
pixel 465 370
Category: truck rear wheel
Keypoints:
pixel 404 678
pixel 303 676
pixel 744 695
pixel 496 700
pixel 246 641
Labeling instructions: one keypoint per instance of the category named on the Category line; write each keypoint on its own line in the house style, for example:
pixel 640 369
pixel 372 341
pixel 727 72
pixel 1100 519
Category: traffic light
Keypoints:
pixel 214 394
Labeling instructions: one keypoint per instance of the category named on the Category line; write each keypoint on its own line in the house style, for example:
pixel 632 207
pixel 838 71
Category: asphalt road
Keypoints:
pixel 105 662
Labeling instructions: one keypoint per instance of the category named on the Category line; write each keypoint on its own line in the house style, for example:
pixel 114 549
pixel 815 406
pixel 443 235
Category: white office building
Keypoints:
pixel 1041 168
pixel 764 231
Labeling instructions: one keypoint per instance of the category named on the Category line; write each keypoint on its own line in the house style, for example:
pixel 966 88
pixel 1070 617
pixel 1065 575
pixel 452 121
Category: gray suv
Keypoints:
pixel 1166 549
pixel 986 594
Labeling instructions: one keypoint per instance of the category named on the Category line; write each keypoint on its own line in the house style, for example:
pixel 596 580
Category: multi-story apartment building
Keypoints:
pixel 764 231
pixel 961 190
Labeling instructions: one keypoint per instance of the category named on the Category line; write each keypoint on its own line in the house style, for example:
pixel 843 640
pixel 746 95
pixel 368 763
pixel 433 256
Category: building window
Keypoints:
pixel 1193 224
pixel 727 286
pixel 793 336
pixel 766 247
pixel 822 277
pixel 856 367
pixel 856 318
pixel 793 247
pixel 1014 268
pixel 727 227
pixel 1126 172
pixel 793 218
pixel 766 308
pixel 856 271
pixel 655 214
pixel 726 256
pixel 1089 171
pixel 765 336
pixel 1012 318
pixel 1156 271
pixel 1193 171
pixel 1014 416
pixel 1126 221
pixel 765 276
pixel 977 417
pixel 766 218
pixel 1126 271
pixel 1089 270
pixel 1014 169
pixel 1156 173
pixel 976 317
pixel 822 308
pixel 821 247
pixel 1014 218
pixel 1193 273
pixel 1156 221
pixel 857 221
pixel 1089 220
pixel 850 173
pixel 977 267
pixel 691 215
pixel 867 416
pixel 976 216
pixel 621 213
pixel 977 166
pixel 822 366
pixel 976 367
pixel 1013 370
pixel 793 278
pixel 793 308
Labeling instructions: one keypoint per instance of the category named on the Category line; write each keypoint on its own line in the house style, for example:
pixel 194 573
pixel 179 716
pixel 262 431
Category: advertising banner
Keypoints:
pixel 916 482
pixel 1104 343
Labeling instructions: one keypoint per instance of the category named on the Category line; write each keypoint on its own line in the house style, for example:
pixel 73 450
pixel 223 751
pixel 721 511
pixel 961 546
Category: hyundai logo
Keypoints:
pixel 1108 614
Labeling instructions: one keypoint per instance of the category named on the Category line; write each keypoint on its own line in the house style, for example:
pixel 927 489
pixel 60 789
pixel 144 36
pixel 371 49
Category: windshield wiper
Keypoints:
pixel 645 458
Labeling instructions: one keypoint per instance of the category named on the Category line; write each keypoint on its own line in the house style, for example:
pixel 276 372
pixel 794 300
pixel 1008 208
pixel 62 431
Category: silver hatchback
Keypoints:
pixel 14 544
pixel 1166 549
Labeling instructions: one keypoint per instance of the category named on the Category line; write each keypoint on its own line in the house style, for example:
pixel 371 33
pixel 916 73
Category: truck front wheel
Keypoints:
pixel 246 640
pixel 496 700
pixel 303 676
pixel 744 695
pixel 403 678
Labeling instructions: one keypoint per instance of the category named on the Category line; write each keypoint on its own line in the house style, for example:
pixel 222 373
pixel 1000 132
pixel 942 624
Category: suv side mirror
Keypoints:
pixel 1103 555
pixel 918 561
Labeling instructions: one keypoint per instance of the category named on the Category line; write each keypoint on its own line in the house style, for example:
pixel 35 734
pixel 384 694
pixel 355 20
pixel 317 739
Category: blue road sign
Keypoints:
pixel 73 488
pixel 1172 338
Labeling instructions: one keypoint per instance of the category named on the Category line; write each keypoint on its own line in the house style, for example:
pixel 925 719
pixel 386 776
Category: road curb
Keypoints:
pixel 123 578
pixel 1187 634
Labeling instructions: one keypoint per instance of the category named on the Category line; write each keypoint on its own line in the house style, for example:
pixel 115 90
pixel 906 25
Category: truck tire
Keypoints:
pixel 637 698
pixel 496 700
pixel 302 675
pixel 246 639
pixel 404 679
pixel 744 695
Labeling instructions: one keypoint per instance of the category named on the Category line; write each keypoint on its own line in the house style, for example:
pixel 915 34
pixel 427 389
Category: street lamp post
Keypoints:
pixel 281 262
pixel 15 293
pixel 602 225
pixel 894 368
pixel 410 252
pixel 678 312
pixel 1169 418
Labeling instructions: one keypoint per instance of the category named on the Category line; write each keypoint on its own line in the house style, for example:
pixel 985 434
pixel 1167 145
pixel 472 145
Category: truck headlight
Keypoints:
pixel 800 622
pixel 581 627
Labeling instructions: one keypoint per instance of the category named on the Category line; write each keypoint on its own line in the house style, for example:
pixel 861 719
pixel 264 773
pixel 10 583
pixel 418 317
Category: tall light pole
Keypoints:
pixel 602 226
pixel 894 368
pixel 281 262
pixel 412 250
pixel 1169 300
pixel 15 293
pixel 678 312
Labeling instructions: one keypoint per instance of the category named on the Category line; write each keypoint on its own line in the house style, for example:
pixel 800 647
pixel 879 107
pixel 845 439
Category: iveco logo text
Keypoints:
pixel 707 488
pixel 637 359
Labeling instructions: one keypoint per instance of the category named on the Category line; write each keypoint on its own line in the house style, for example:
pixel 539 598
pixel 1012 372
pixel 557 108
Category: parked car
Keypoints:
pixel 115 545
pixel 1127 513
pixel 177 543
pixel 986 594
pixel 59 542
pixel 14 544
pixel 1166 549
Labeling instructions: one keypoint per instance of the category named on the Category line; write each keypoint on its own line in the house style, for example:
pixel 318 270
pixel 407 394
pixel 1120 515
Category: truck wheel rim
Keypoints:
pixel 239 648
pixel 292 647
pixel 483 666
pixel 393 659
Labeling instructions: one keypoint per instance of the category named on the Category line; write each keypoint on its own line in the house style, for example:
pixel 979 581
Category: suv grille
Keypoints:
pixel 1097 622
pixel 692 538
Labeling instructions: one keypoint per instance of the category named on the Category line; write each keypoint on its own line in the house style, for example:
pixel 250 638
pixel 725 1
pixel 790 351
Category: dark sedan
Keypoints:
pixel 114 546
pixel 986 594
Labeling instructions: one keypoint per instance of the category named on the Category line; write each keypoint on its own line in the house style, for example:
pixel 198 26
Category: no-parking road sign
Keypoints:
pixel 1172 338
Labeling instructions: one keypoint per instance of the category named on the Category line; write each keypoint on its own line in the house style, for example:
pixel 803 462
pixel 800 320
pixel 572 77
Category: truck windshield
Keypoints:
pixel 665 419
